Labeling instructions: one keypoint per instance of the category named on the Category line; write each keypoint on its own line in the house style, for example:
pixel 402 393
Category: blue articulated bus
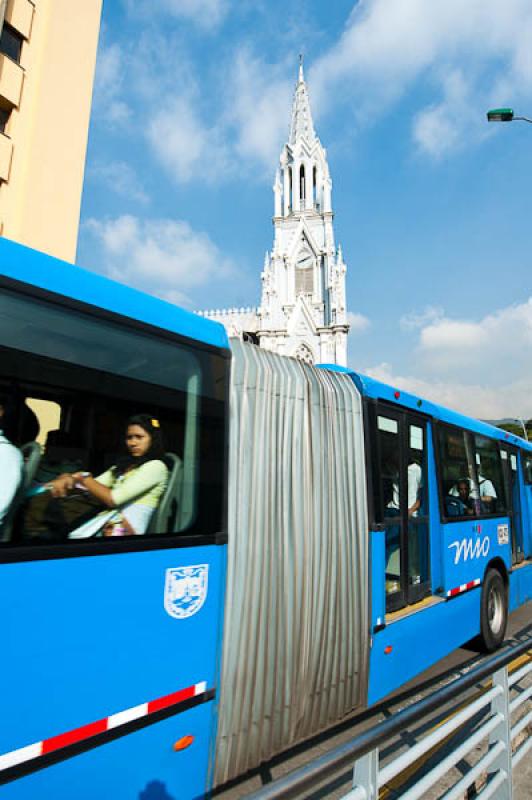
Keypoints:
pixel 318 539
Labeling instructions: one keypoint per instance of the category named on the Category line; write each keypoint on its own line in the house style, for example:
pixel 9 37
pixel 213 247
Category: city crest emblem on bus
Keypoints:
pixel 185 590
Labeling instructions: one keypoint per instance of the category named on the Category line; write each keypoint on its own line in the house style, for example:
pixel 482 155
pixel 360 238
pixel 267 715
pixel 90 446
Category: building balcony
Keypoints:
pixel 6 151
pixel 11 77
pixel 19 14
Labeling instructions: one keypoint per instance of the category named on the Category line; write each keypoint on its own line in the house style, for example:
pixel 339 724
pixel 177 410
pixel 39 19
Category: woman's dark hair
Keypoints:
pixel 18 422
pixel 156 450
pixel 8 420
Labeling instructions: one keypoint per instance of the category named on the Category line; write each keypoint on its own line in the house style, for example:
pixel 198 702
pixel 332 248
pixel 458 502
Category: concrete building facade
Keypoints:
pixel 303 305
pixel 47 60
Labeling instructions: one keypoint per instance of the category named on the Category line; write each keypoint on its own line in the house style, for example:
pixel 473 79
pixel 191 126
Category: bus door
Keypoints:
pixel 511 479
pixel 526 462
pixel 401 504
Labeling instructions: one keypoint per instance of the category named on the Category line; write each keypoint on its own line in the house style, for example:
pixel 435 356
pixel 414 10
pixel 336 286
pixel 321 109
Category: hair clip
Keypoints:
pixel 155 423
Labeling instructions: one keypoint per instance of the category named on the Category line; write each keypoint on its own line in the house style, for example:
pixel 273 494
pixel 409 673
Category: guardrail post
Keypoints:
pixel 365 778
pixel 502 733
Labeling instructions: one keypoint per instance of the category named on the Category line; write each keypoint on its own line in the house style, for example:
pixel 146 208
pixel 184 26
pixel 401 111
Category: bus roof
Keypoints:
pixel 59 277
pixel 369 387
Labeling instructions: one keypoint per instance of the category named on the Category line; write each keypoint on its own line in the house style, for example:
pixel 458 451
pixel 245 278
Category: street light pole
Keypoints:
pixel 504 115
pixel 525 431
pixel 507 115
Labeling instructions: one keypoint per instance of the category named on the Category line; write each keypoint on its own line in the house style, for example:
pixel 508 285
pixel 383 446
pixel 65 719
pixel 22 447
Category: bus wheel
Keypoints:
pixel 493 611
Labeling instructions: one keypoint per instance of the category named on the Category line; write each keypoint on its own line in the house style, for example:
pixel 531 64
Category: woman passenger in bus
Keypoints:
pixel 134 486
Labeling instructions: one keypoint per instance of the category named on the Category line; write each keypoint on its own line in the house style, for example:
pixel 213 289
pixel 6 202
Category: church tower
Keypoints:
pixel 303 311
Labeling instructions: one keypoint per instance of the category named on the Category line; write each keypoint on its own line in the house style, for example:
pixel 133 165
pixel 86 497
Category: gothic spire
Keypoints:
pixel 301 125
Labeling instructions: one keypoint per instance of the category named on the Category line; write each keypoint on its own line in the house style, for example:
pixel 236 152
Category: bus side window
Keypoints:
pixel 388 431
pixel 458 478
pixel 83 384
pixel 490 479
pixel 527 464
pixel 391 501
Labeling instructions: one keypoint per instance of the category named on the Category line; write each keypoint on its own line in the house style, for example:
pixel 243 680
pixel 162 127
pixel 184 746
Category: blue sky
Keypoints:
pixel 433 205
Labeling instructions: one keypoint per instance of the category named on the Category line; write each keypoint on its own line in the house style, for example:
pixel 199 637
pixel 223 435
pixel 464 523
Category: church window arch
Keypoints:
pixel 302 183
pixel 290 190
pixel 304 353
pixel 314 187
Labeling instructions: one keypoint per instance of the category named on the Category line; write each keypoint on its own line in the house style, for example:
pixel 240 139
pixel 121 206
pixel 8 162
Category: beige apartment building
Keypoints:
pixel 47 59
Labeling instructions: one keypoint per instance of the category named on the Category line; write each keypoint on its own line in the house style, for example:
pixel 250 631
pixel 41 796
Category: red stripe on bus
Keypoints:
pixel 101 726
pixel 463 588
pixel 77 735
pixel 171 699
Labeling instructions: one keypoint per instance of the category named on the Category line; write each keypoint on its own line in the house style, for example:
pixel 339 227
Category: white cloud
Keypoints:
pixel 258 103
pixel 164 257
pixel 120 178
pixel 206 14
pixel 247 133
pixel 480 400
pixel 161 85
pixel 358 322
pixel 469 56
pixel 389 45
pixel 414 320
pixel 480 367
pixel 185 145
pixel 498 345
pixel 443 127
pixel 108 102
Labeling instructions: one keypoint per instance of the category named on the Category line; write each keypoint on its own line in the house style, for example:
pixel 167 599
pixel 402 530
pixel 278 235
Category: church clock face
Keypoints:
pixel 305 273
pixel 305 261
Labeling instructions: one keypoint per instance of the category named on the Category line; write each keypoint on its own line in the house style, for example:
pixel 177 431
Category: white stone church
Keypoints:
pixel 302 311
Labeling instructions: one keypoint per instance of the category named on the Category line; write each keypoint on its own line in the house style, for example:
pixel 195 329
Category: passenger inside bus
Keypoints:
pixel 18 429
pixel 459 502
pixel 488 495
pixel 10 457
pixel 130 491
pixel 414 487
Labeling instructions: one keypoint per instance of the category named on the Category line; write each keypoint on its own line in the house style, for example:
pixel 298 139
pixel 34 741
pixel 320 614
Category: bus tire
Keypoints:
pixel 493 611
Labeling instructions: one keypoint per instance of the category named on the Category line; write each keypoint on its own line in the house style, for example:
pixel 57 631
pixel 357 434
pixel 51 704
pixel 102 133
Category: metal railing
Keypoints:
pixel 485 718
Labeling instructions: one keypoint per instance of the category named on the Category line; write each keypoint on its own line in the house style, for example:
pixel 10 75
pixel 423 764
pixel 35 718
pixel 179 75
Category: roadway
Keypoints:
pixel 458 662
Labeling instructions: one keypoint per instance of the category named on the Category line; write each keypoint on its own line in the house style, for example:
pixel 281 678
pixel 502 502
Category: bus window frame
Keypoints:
pixel 517 553
pixel 370 443
pixel 72 304
pixel 16 551
pixel 438 428
pixel 526 455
